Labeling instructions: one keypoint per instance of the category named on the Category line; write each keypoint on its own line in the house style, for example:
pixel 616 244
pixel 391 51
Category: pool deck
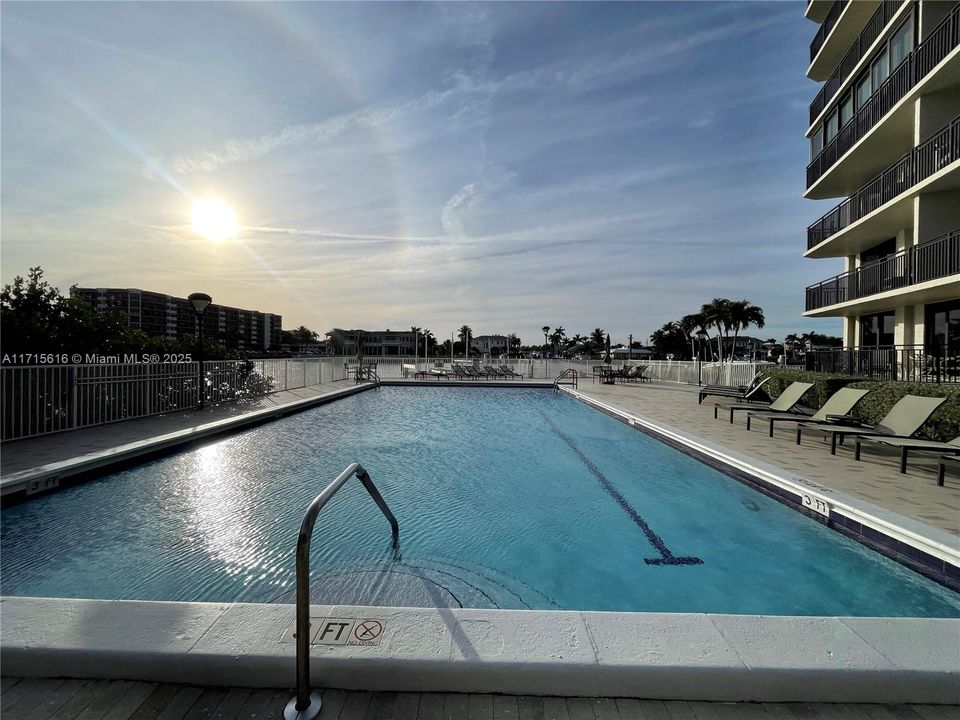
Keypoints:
pixel 875 479
pixel 132 700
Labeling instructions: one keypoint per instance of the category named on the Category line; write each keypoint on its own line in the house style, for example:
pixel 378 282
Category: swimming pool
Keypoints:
pixel 506 498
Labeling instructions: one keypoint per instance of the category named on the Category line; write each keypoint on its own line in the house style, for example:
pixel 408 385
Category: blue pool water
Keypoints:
pixel 505 498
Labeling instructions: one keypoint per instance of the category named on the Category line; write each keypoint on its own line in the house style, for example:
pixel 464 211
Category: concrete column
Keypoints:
pixel 904 328
pixel 851 332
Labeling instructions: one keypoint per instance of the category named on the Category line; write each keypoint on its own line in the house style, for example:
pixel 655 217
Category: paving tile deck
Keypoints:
pixel 48 699
pixel 876 478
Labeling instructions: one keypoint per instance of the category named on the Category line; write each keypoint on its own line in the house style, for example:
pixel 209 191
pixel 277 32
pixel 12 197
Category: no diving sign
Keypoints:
pixel 346 631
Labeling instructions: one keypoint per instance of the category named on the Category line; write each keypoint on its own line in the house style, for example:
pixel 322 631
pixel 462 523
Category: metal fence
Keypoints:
pixel 37 400
pixel 912 363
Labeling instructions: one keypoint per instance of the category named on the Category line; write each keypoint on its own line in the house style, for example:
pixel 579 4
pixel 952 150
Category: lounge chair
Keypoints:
pixel 903 420
pixel 743 392
pixel 945 460
pixel 640 374
pixel 788 398
pixel 906 444
pixel 438 373
pixel 510 373
pixel 839 404
pixel 462 371
pixel 493 372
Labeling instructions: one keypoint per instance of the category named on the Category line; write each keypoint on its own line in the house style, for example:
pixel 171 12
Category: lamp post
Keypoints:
pixel 546 330
pixel 200 301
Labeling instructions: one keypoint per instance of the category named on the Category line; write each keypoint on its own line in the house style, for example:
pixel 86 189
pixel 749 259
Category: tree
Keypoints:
pixel 303 336
pixel 513 342
pixel 337 340
pixel 597 338
pixel 716 313
pixel 671 339
pixel 556 337
pixel 741 315
pixel 464 333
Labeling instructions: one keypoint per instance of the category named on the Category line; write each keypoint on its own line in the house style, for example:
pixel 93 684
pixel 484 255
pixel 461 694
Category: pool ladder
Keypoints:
pixel 570 375
pixel 368 373
pixel 305 705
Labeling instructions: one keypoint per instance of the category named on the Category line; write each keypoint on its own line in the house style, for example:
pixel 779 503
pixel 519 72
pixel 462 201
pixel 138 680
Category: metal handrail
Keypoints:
pixel 305 705
pixel 568 373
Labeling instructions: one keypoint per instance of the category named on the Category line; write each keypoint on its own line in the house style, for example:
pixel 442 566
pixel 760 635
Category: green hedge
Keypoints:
pixel 944 424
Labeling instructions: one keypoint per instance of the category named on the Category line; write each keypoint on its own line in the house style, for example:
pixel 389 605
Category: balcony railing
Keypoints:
pixel 933 259
pixel 865 39
pixel 921 162
pixel 836 10
pixel 910 72
pixel 908 363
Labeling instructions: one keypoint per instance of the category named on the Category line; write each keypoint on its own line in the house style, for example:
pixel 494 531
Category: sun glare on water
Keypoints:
pixel 214 220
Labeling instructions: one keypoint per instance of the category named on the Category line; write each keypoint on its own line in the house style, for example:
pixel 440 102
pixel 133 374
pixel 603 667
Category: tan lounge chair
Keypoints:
pixel 904 419
pixel 837 405
pixel 906 444
pixel 788 398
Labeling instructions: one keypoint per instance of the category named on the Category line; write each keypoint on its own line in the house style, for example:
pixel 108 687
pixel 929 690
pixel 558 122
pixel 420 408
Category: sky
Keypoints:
pixel 505 166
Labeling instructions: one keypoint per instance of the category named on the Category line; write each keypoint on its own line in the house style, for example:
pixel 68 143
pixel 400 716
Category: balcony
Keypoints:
pixel 917 165
pixel 907 363
pixel 858 49
pixel 829 22
pixel 932 260
pixel 914 68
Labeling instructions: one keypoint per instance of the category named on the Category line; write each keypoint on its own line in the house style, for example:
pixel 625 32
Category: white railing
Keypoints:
pixel 37 400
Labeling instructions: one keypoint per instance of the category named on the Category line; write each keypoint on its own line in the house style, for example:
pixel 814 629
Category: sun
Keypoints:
pixel 214 220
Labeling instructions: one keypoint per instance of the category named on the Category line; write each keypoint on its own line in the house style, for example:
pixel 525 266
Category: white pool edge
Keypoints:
pixel 644 655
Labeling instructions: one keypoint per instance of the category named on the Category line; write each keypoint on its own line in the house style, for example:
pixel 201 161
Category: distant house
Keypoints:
pixel 634 354
pixel 489 344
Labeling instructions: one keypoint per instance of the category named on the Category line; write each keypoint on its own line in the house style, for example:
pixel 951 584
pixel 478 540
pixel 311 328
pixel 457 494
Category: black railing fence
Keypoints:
pixel 908 363
pixel 833 14
pixel 917 165
pixel 871 31
pixel 933 259
pixel 902 79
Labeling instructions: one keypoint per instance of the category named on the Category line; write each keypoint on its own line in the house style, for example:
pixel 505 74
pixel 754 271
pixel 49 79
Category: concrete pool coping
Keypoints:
pixel 937 545
pixel 524 652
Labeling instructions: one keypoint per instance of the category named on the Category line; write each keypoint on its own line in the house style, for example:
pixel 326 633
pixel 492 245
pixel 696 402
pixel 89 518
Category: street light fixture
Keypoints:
pixel 200 301
pixel 546 343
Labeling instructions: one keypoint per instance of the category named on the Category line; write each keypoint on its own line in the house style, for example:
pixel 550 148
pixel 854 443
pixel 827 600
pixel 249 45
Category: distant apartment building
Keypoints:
pixel 374 342
pixel 173 317
pixel 884 135
pixel 489 344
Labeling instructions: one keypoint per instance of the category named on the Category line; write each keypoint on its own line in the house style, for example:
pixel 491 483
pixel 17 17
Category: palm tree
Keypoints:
pixel 716 314
pixel 597 338
pixel 429 341
pixel 693 326
pixel 557 336
pixel 464 333
pixel 741 315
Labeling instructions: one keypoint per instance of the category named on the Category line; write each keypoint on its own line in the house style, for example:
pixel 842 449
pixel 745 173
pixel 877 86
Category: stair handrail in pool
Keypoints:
pixel 570 375
pixel 305 705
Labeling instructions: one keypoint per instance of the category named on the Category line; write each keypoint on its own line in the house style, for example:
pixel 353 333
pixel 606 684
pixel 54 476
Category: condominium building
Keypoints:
pixel 884 134
pixel 173 317
pixel 373 342
pixel 489 344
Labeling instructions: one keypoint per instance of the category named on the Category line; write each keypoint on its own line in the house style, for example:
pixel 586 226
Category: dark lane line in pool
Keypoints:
pixel 666 557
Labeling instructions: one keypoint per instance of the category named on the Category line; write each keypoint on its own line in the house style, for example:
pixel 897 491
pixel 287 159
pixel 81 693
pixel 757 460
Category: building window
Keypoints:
pixel 816 142
pixel 901 43
pixel 846 109
pixel 877 330
pixel 879 70
pixel 942 328
pixel 831 127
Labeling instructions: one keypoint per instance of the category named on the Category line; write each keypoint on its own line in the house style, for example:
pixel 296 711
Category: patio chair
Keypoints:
pixel 839 404
pixel 438 373
pixel 953 461
pixel 903 420
pixel 740 393
pixel 788 398
pixel 510 373
pixel 462 371
pixel 907 444
pixel 640 375
pixel 493 372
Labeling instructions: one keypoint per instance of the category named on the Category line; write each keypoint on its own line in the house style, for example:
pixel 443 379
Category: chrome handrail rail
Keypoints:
pixel 568 373
pixel 305 705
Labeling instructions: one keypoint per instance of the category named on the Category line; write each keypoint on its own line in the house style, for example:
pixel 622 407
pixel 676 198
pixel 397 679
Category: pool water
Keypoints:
pixel 506 498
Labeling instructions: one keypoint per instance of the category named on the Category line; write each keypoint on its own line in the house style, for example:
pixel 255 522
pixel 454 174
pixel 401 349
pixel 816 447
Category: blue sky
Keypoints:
pixel 501 165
